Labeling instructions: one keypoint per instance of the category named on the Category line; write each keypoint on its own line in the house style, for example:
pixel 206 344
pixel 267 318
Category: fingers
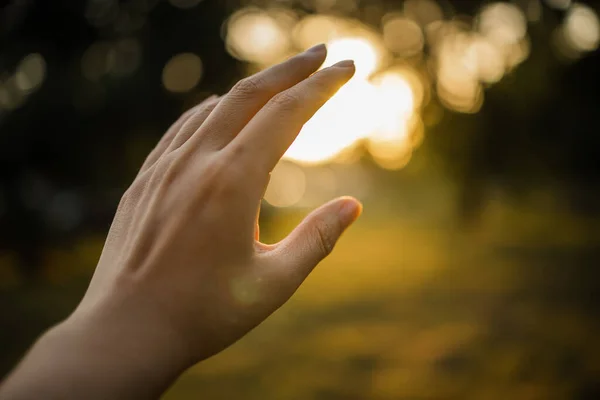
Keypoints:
pixel 249 95
pixel 171 133
pixel 314 238
pixel 193 122
pixel 268 135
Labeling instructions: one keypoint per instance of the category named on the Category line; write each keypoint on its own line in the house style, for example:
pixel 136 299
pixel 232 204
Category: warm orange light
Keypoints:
pixel 257 36
pixel 379 109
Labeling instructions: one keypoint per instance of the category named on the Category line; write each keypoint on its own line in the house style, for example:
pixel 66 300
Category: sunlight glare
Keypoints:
pixel 379 109
pixel 395 105
pixel 348 116
pixel 359 49
pixel 340 123
pixel 389 143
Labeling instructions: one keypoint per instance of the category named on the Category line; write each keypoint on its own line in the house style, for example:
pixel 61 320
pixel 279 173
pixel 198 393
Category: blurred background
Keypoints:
pixel 470 132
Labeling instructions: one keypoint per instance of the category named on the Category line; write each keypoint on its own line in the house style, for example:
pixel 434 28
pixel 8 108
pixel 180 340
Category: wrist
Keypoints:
pixel 129 335
pixel 104 351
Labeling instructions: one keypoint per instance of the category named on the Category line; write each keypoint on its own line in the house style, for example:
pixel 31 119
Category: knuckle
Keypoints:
pixel 134 191
pixel 239 171
pixel 164 176
pixel 287 100
pixel 324 239
pixel 170 172
pixel 131 195
pixel 207 109
pixel 125 201
pixel 202 113
pixel 250 86
pixel 321 88
pixel 186 114
pixel 235 156
pixel 216 178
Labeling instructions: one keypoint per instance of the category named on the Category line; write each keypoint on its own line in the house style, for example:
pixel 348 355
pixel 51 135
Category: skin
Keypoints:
pixel 183 274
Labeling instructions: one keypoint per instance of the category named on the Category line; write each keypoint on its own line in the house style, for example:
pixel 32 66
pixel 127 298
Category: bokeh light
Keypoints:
pixel 30 72
pixel 582 28
pixel 316 29
pixel 579 33
pixel 503 23
pixel 395 107
pixel 258 36
pixel 403 36
pixel 458 84
pixel 511 188
pixel 485 59
pixel 423 12
pixel 97 60
pixel 391 154
pixel 518 53
pixel 379 110
pixel 389 142
pixel 287 185
pixel 182 72
pixel 127 57
pixel 458 90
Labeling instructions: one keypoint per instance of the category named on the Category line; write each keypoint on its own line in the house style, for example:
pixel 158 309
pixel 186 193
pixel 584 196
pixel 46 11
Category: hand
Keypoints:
pixel 183 275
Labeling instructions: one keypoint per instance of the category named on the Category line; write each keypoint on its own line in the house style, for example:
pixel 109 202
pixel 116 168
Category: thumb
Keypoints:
pixel 315 237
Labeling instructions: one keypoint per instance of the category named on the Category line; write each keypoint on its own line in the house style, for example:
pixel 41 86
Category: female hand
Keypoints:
pixel 183 275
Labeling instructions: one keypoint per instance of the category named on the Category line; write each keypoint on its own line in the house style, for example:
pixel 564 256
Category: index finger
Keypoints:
pixel 249 95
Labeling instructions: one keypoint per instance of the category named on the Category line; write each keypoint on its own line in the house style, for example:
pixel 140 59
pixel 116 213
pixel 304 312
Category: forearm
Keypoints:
pixel 95 359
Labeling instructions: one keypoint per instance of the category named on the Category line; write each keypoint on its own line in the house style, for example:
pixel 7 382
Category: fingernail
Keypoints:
pixel 350 211
pixel 316 49
pixel 344 64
